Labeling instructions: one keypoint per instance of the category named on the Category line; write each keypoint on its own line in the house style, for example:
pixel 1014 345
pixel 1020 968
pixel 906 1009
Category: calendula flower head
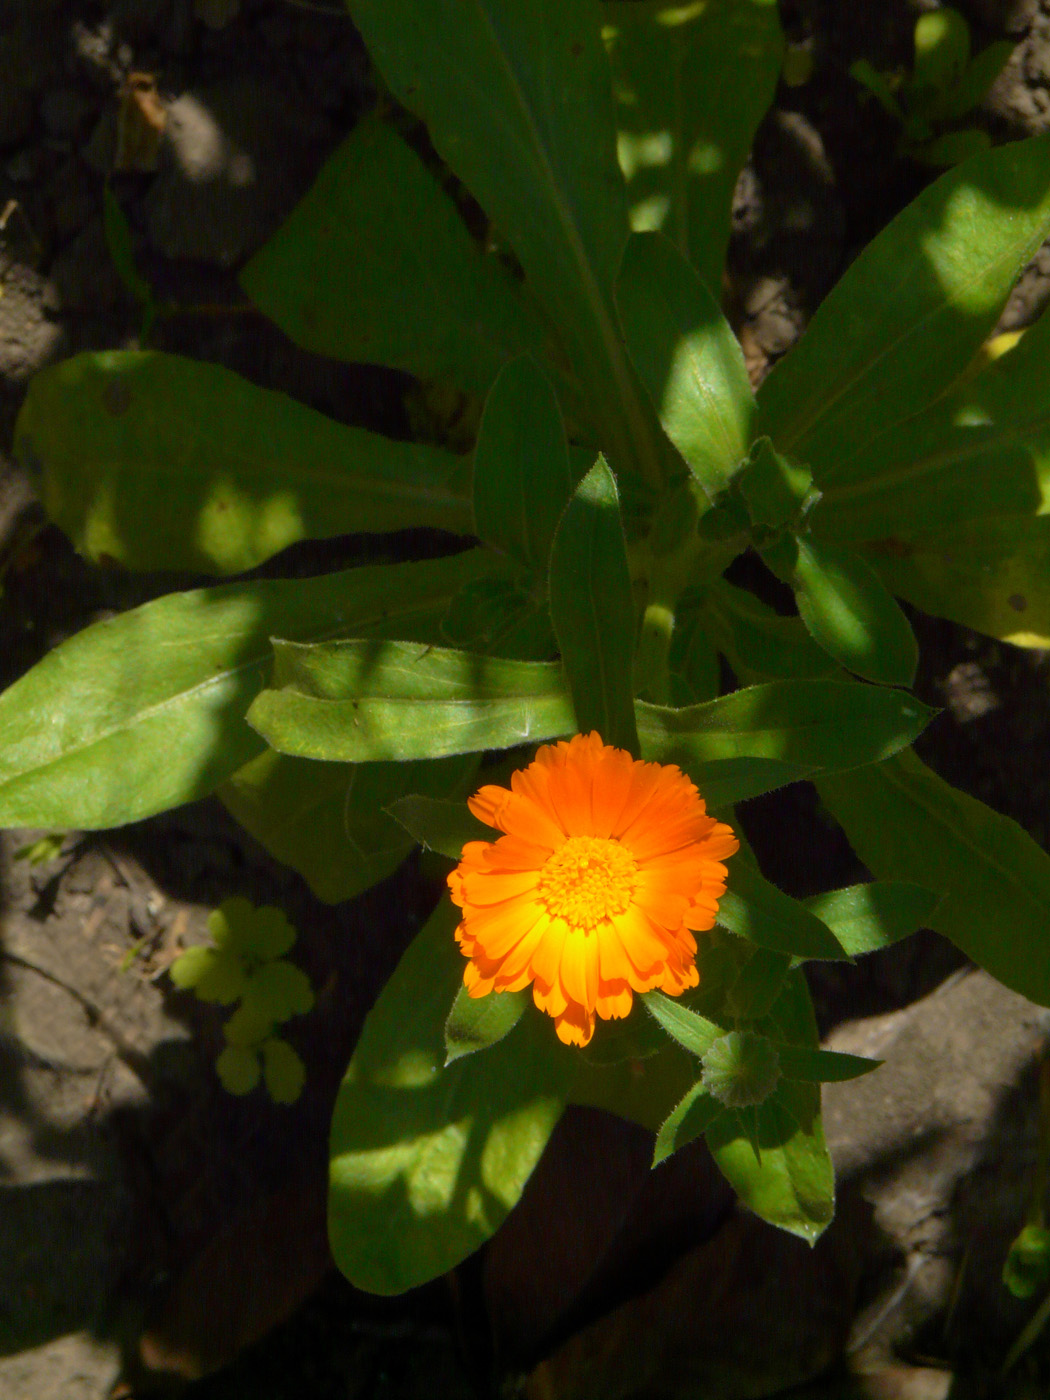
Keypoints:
pixel 607 868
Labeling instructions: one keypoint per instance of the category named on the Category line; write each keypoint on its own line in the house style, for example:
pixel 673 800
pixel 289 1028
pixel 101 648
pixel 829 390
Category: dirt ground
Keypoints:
pixel 159 1236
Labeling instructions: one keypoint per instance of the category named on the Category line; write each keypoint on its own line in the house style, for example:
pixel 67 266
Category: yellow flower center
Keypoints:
pixel 587 879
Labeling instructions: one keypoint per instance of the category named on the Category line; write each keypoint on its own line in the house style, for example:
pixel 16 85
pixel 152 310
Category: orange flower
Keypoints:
pixel 607 865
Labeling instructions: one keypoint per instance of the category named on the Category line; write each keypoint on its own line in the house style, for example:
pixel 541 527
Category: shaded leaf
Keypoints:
pixel 759 644
pixel 692 1031
pixel 906 823
pixel 161 462
pixel 592 608
pixel 238 1069
pixel 822 1066
pixel 522 478
pixel 755 909
pixel 526 88
pixel 445 827
pixel 329 821
pixel 691 84
pixel 283 1070
pixel 403 283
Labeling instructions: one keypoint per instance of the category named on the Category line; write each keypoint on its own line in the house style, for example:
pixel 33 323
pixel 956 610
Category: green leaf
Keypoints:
pixel 759 983
pixel 849 613
pixel 478 1023
pixel 757 643
pixel 222 980
pixel 773 488
pixel 522 478
pixel 981 450
pixel 810 723
pixel 357 702
pixel 789 1181
pixel 517 100
pixel 951 147
pixel 725 781
pixel 865 918
pixel 501 617
pixel 249 1026
pixel 911 310
pixel 189 967
pixel 692 1031
pixel 822 1066
pixel 159 462
pixel 942 48
pixel 992 575
pixel 146 710
pixel 402 282
pixel 775 1157
pixel 593 609
pixel 1027 1266
pixel 329 821
pixel 44 849
pixel 283 1070
pixel 445 827
pixel 238 1068
pixel 279 990
pixel 691 84
pixel 693 660
pixel 753 908
pixel 427 1160
pixel 118 242
pixel 238 927
pixel 906 823
pixel 687 357
pixel 864 72
pixel 972 88
pixel 688 1120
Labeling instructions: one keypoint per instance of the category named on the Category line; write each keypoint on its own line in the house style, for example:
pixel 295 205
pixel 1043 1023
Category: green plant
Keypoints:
pixel 944 86
pixel 621 464
pixel 244 963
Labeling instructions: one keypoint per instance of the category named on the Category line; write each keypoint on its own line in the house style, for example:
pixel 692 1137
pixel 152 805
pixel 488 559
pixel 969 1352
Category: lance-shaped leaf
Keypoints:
pixel 329 821
pixel 753 908
pixel 758 643
pixel 692 1031
pixel 426 1160
pixel 478 1023
pixel 362 702
pixel 445 827
pixel 402 282
pixel 811 723
pixel 525 88
pixel 992 575
pixel 725 781
pixel 822 1066
pixel 146 710
pixel 912 309
pixel 160 462
pixel 687 357
pixel 592 608
pixel 980 450
pixel 522 478
pixel 849 612
pixel 692 83
pixel 689 1119
pixel 865 918
pixel 906 823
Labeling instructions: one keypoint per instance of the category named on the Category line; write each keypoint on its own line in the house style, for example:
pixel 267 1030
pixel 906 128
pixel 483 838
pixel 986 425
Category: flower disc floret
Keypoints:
pixel 606 869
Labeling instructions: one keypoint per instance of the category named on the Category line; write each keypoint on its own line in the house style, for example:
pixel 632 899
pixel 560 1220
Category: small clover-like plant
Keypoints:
pixel 944 86
pixel 245 963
